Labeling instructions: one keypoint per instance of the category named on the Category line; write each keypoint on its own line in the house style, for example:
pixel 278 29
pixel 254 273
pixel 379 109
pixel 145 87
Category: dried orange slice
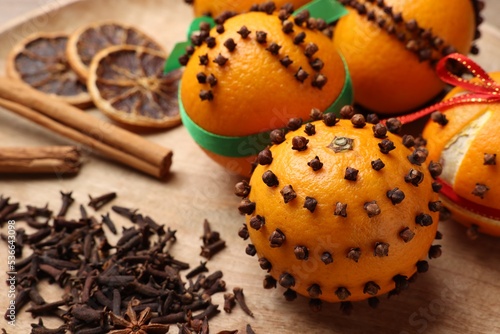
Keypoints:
pixel 127 84
pixel 85 42
pixel 40 61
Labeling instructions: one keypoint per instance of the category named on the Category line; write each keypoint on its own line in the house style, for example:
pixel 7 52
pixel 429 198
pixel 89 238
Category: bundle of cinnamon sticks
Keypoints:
pixel 109 140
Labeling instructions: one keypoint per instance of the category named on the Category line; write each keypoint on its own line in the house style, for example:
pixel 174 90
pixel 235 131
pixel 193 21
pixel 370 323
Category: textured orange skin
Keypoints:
pixel 387 78
pixel 323 231
pixel 472 170
pixel 255 93
pixel 216 7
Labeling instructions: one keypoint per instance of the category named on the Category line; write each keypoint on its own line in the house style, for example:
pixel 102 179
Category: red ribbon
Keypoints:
pixel 463 203
pixel 485 90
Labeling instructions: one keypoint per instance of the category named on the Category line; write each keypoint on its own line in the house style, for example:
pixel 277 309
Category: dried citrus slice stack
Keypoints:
pixel 85 42
pixel 40 61
pixel 128 85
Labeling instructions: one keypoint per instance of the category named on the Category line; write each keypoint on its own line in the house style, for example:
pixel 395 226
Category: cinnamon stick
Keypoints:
pixel 113 142
pixel 37 160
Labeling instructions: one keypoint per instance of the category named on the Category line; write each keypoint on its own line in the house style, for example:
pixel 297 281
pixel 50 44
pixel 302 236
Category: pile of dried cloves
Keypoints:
pixel 134 286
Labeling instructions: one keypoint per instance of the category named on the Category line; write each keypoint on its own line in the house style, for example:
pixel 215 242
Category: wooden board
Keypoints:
pixel 460 294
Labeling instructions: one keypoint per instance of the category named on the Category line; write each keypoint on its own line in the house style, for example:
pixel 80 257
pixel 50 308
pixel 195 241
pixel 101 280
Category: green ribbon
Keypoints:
pixel 328 10
pixel 237 147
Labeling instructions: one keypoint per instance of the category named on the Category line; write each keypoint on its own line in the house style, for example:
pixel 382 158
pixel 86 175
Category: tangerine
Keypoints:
pixel 467 146
pixel 391 48
pixel 253 77
pixel 344 213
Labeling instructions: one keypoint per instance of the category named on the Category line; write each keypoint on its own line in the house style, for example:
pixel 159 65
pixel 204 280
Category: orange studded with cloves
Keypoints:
pixel 392 47
pixel 254 71
pixel 343 213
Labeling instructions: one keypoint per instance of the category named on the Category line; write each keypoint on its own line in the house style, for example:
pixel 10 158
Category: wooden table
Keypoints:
pixel 460 294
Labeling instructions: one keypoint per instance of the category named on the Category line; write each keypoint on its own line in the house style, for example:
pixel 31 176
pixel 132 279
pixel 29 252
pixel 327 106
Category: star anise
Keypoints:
pixel 134 324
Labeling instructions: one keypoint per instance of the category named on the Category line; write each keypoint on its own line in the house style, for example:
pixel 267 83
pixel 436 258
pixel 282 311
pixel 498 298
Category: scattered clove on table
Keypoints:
pixel 212 243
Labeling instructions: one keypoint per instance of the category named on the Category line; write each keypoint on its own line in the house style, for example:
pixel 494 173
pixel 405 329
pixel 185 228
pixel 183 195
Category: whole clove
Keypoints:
pixel 301 75
pixel 372 209
pixel 302 17
pixel 299 38
pixel 286 61
pixel 98 202
pixel 270 179
pixel 414 177
pixel 439 118
pixel 242 189
pixel 379 130
pixel 490 159
pixel 265 264
pixel 358 121
pixel 277 136
pixel 229 302
pixel 372 119
pixel 299 143
pixel 386 146
pixel 246 206
pixel 310 129
pixel 109 223
pixel 288 193
pixel 37 310
pixel 317 64
pixel 480 190
pixel 294 123
pixel 395 195
pixel 310 204
pixel 290 295
pixel 377 164
pixel 351 174
pixel 277 238
pixel 41 329
pixel 257 222
pixel 198 270
pixel 208 251
pixel 408 141
pixel 249 329
pixel 319 80
pixel 340 209
pixel 394 125
pixel 315 164
pixel 125 212
pixel 287 27
pixel 326 258
pixel 269 282
pixel 265 157
pixel 347 112
pixel 244 32
pixel 261 37
pixel 240 299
